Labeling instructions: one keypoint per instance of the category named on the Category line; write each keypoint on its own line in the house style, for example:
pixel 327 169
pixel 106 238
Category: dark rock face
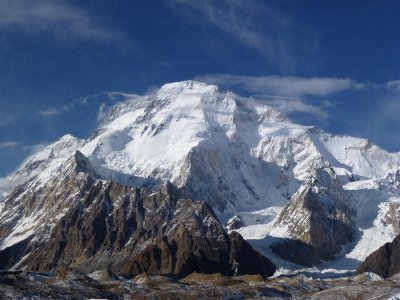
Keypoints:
pixel 385 261
pixel 317 219
pixel 129 231
pixel 245 260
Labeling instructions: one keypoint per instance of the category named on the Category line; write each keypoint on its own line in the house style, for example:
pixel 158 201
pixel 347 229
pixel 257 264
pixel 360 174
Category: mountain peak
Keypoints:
pixel 238 154
pixel 188 85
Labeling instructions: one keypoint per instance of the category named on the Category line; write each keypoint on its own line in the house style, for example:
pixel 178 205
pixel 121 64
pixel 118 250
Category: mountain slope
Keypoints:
pixel 130 230
pixel 317 221
pixel 41 164
pixel 385 261
pixel 238 154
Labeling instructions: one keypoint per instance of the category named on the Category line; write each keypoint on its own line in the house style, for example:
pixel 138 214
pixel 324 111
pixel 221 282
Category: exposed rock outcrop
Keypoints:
pixel 129 231
pixel 385 261
pixel 393 216
pixel 316 222
pixel 234 223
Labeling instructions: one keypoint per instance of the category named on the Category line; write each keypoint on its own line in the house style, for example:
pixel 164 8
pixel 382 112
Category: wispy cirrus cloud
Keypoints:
pixel 51 111
pixel 290 94
pixel 261 26
pixel 283 85
pixel 31 149
pixel 101 101
pixel 8 144
pixel 290 105
pixel 393 85
pixel 102 112
pixel 59 18
pixel 317 97
pixel 8 182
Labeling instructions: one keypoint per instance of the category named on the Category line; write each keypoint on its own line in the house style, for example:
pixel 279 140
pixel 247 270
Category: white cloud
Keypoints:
pixel 283 86
pixel 5 186
pixel 393 85
pixel 288 94
pixel 101 114
pixel 294 105
pixel 35 148
pixel 101 101
pixel 8 144
pixel 59 18
pixel 9 182
pixel 51 111
pixel 259 25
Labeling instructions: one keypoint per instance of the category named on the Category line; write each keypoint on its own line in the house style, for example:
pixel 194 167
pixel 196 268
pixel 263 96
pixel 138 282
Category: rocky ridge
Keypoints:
pixel 317 221
pixel 129 230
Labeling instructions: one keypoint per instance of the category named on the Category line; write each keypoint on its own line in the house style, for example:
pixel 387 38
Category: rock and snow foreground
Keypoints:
pixel 103 284
pixel 296 193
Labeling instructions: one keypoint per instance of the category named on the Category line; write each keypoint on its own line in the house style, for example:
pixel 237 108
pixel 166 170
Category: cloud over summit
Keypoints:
pixel 283 85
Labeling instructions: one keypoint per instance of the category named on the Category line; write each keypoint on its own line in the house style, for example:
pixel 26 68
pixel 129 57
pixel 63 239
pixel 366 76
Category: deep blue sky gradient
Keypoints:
pixel 55 52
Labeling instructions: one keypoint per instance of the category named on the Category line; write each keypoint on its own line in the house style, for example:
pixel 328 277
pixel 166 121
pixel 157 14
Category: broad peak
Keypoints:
pixel 188 85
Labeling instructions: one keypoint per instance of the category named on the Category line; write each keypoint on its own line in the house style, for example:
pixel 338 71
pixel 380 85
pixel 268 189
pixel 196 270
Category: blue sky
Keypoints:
pixel 332 63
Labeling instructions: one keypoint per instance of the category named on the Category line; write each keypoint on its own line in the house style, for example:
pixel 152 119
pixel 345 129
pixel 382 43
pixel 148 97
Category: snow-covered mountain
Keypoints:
pixel 242 156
